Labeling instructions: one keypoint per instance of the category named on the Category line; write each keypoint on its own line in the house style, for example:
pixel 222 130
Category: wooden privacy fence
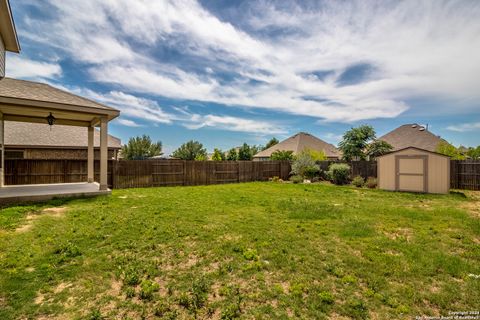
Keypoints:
pixel 465 174
pixel 364 169
pixel 145 173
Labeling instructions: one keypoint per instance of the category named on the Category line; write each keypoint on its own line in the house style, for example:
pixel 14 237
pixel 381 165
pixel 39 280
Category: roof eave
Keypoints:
pixel 7 28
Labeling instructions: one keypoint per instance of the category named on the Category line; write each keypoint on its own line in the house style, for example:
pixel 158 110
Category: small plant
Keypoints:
pixel 130 292
pixel 147 289
pixel 69 250
pixel 326 297
pixel 358 181
pixel 275 179
pixel 131 277
pixel 250 254
pixel 371 182
pixel 357 309
pixel 296 179
pixel 95 315
pixel 161 309
pixel 339 173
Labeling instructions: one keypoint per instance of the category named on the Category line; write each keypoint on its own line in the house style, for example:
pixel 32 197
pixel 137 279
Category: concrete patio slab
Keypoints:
pixel 43 192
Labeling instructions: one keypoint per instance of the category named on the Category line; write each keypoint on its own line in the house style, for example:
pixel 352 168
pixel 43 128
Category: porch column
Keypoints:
pixel 90 155
pixel 2 155
pixel 103 153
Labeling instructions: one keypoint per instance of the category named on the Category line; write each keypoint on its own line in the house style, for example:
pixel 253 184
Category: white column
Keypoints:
pixel 103 153
pixel 90 155
pixel 2 145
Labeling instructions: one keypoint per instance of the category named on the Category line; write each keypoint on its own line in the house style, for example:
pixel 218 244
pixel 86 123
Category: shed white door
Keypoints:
pixel 411 173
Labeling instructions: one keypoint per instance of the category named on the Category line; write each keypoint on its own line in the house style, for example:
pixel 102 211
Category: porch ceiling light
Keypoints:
pixel 51 119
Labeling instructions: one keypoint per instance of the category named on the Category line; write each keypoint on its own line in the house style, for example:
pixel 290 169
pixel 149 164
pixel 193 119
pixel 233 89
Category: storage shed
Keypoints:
pixel 413 169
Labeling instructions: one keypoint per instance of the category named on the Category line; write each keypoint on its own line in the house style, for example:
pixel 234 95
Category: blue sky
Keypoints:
pixel 228 72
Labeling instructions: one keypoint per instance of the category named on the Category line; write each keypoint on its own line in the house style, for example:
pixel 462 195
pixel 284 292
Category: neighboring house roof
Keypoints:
pixel 420 149
pixel 412 135
pixel 300 142
pixel 24 134
pixel 36 91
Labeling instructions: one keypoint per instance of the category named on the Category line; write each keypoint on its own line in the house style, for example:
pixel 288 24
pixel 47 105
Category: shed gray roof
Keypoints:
pixel 300 142
pixel 35 91
pixel 412 135
pixel 25 134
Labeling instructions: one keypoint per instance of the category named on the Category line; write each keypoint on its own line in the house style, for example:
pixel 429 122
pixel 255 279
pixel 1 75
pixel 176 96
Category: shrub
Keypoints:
pixel 304 165
pixel 358 181
pixel 339 173
pixel 296 179
pixel 281 155
pixel 371 182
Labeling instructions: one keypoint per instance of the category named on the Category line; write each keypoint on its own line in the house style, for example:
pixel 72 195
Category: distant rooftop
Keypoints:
pixel 412 135
pixel 299 142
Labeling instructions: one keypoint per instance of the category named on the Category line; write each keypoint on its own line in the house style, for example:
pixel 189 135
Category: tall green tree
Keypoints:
pixel 450 150
pixel 191 150
pixel 232 155
pixel 140 148
pixel 355 142
pixel 271 143
pixel 378 148
pixel 245 152
pixel 218 155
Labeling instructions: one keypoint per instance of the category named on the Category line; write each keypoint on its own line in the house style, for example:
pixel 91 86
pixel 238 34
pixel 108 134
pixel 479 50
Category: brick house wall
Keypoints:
pixel 45 153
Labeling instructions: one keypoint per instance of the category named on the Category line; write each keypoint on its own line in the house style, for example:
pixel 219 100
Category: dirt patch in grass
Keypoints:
pixel 400 233
pixel 61 286
pixel 57 212
pixel 39 298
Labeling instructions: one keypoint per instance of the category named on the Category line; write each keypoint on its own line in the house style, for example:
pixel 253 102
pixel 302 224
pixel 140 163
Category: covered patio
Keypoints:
pixel 33 102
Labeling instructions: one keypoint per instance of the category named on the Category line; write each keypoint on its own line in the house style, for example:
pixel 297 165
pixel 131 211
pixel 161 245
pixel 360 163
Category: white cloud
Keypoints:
pixel 128 123
pixel 465 127
pixel 21 67
pixel 230 123
pixel 415 49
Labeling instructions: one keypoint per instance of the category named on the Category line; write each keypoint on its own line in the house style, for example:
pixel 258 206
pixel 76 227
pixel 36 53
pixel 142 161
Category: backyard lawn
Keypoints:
pixel 254 251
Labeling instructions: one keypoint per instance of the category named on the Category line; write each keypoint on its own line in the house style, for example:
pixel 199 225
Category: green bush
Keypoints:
pixel 296 179
pixel 339 173
pixel 304 165
pixel 358 181
pixel 371 182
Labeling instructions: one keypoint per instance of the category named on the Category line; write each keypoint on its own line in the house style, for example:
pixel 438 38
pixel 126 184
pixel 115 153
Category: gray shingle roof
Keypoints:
pixel 412 135
pixel 298 143
pixel 41 135
pixel 29 90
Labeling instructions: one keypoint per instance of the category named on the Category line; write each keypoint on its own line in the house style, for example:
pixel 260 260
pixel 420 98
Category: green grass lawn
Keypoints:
pixel 254 251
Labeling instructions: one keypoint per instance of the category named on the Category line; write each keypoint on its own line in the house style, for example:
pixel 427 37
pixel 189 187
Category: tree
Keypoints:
pixel 191 150
pixel 377 148
pixel 282 155
pixel 474 153
pixel 218 155
pixel 245 152
pixel 316 155
pixel 449 149
pixel 140 148
pixel 254 149
pixel 355 142
pixel 271 143
pixel 232 155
